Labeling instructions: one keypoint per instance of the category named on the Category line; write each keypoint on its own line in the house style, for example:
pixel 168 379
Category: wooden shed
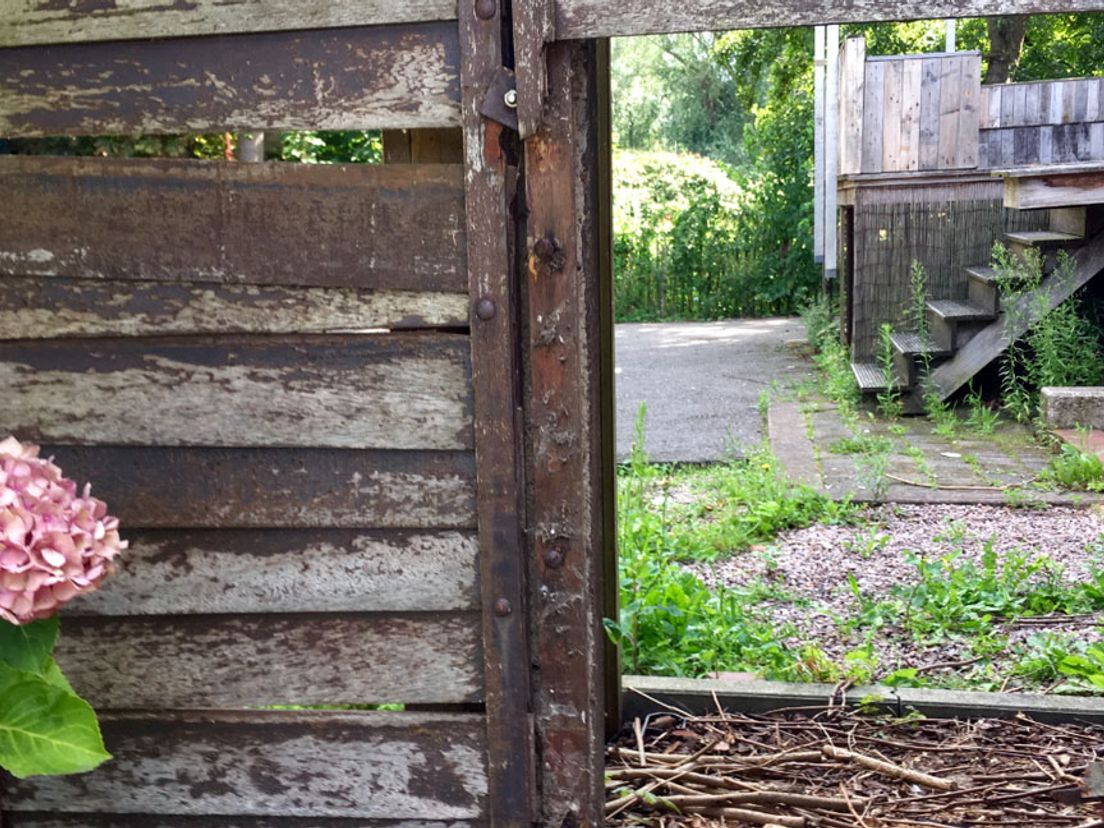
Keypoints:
pixel 922 148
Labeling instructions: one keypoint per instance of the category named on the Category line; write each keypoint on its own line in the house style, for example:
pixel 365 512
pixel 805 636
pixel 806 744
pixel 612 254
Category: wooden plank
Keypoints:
pixel 402 766
pixel 1019 105
pixel 395 391
pixel 1093 110
pixel 852 91
pixel 950 101
pixel 183 661
pixel 1046 148
pixel 969 116
pixel 399 227
pixel 990 107
pixel 565 439
pixel 912 71
pixel 929 115
pixel 1031 116
pixel 1025 143
pixel 602 18
pixel 247 488
pixel 47 820
pixel 167 572
pixel 1096 141
pixel 390 77
pixel 27 23
pixel 891 116
pixel 1046 190
pixel 32 307
pixel 873 116
pixel 493 278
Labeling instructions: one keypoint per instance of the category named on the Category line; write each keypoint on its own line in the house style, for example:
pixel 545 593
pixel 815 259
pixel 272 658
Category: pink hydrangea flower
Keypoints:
pixel 54 543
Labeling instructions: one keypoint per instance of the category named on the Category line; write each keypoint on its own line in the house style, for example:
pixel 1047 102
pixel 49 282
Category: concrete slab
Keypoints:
pixel 1070 407
pixel 701 382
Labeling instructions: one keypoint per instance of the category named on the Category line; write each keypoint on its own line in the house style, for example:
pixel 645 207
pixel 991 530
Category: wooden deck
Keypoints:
pixel 1053 185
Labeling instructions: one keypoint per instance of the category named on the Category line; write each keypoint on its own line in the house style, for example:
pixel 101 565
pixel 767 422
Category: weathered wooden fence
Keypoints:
pixel 267 371
pixel 905 113
pixel 1042 122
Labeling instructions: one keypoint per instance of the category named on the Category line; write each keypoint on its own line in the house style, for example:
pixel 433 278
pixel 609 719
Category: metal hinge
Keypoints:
pixel 500 101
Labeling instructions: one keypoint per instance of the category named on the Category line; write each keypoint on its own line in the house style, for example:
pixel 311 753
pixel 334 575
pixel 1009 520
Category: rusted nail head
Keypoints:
pixel 502 608
pixel 553 558
pixel 484 9
pixel 485 309
pixel 510 98
pixel 544 248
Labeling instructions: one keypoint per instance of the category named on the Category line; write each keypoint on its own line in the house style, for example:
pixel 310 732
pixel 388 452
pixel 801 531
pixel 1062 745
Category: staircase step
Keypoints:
pixel 870 377
pixel 958 311
pixel 910 344
pixel 984 274
pixel 1043 238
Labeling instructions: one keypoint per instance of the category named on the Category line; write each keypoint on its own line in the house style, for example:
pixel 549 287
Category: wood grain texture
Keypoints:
pixel 260 488
pixel 401 766
pixel 950 103
pixel 33 307
pixel 363 226
pixel 32 819
pixel 892 111
pixel 166 572
pixel 393 391
pixel 356 78
pixel 189 661
pixel 911 80
pixel 493 275
pixel 30 22
pixel 566 443
pixel 852 92
pixel 969 114
pixel 929 115
pixel 617 18
pixel 873 116
pixel 1047 190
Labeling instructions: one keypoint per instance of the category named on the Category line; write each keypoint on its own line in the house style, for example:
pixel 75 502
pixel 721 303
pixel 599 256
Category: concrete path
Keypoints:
pixel 701 382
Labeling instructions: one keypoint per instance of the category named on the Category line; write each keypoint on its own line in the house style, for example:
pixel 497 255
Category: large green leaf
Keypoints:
pixel 26 647
pixel 44 728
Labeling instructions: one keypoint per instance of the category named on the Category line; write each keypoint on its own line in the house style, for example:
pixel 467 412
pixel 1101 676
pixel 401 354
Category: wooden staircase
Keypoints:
pixel 966 335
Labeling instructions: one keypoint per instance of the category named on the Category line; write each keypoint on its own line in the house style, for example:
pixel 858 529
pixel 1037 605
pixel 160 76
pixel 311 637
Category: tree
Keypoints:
pixel 1006 40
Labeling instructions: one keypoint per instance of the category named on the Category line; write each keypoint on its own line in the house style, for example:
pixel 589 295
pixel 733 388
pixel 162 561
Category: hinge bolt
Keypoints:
pixel 485 309
pixel 502 608
pixel 484 9
pixel 510 98
pixel 553 558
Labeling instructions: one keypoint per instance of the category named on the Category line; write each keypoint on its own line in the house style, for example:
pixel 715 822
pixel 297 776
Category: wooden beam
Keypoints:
pixel 34 307
pixel 256 660
pixel 396 391
pixel 219 764
pixel 262 488
pixel 492 277
pixel 397 227
pixel 618 18
pixel 1054 189
pixel 27 24
pixel 386 77
pixel 180 572
pixel 564 354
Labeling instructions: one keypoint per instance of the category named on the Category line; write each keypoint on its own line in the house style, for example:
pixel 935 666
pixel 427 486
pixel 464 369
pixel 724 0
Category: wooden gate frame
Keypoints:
pixel 562 85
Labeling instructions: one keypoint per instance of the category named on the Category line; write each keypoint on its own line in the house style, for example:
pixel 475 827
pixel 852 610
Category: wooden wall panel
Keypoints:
pixel 399 766
pixel 200 661
pixel 363 226
pixel 248 571
pixel 357 78
pixel 393 391
pixel 27 23
pixel 33 307
pixel 246 488
pixel 1043 122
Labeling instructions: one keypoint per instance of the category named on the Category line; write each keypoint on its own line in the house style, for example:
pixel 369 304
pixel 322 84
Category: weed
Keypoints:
pixel 1016 497
pixel 1075 469
pixel 889 400
pixel 820 316
pixel 861 444
pixel 870 473
pixel 982 417
pixel 865 544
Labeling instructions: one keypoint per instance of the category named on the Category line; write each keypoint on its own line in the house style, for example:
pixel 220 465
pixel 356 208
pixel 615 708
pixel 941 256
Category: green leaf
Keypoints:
pixel 26 647
pixel 45 729
pixel 53 675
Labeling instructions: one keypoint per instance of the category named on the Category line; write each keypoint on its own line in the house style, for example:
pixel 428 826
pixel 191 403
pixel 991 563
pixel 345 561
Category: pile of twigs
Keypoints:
pixel 839 768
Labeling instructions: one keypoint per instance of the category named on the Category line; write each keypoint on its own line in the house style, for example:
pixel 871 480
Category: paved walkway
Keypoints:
pixel 701 382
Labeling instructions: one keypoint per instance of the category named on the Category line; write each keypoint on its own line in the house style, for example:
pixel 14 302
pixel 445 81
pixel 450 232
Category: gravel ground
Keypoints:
pixel 814 563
